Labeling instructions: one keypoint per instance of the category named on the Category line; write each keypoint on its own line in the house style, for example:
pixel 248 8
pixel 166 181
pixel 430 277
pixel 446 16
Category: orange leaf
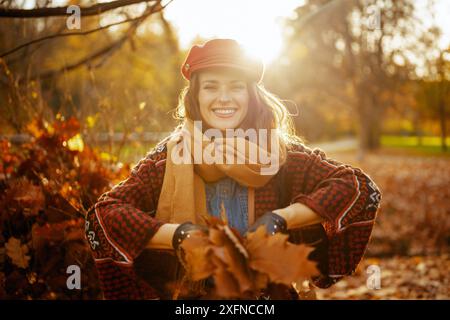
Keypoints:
pixel 197 250
pixel 282 261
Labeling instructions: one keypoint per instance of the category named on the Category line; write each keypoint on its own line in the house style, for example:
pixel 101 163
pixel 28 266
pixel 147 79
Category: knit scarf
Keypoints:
pixel 194 159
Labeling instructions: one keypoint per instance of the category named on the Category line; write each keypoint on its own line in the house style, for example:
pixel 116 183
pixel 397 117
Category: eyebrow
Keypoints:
pixel 215 81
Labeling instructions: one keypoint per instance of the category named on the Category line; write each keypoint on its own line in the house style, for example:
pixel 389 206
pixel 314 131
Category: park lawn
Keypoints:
pixel 413 141
pixel 430 145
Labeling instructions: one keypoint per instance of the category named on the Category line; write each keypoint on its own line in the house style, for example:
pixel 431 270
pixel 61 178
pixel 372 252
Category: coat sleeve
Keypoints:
pixel 120 225
pixel 346 198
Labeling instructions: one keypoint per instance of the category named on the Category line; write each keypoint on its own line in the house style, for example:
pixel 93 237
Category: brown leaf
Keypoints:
pixel 26 195
pixel 218 255
pixel 226 285
pixel 282 261
pixel 235 262
pixel 17 252
pixel 197 250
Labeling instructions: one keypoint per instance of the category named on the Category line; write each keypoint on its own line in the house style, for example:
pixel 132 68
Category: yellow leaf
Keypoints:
pixel 105 156
pixel 35 128
pixel 76 143
pixel 91 120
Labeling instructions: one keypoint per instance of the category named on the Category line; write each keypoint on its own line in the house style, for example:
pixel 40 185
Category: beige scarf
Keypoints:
pixel 193 159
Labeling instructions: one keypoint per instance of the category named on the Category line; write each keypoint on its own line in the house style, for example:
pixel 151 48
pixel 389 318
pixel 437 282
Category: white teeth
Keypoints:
pixel 224 111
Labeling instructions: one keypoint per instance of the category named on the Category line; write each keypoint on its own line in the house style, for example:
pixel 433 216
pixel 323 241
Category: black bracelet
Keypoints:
pixel 181 232
pixel 273 222
pixel 280 224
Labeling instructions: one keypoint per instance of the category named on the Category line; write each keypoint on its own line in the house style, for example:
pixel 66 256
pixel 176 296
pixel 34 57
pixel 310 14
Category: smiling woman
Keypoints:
pixel 307 196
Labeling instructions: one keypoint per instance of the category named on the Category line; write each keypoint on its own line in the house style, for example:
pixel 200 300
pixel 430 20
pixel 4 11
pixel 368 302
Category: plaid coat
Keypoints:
pixel 121 223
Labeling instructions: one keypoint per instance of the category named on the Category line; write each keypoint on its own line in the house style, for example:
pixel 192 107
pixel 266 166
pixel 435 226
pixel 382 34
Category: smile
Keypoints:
pixel 224 112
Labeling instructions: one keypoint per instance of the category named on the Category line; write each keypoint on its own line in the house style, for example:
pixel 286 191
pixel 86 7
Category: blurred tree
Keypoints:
pixel 355 53
pixel 433 93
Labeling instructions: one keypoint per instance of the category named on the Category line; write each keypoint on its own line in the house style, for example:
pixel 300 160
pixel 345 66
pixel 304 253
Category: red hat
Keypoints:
pixel 222 53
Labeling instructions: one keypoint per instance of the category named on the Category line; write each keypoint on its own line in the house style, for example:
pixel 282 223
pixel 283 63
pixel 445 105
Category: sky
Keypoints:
pixel 254 23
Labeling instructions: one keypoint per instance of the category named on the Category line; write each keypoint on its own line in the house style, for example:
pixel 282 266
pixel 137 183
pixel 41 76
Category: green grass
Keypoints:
pixel 428 145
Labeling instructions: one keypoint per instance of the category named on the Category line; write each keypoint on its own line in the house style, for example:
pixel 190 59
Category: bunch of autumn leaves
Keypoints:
pixel 244 267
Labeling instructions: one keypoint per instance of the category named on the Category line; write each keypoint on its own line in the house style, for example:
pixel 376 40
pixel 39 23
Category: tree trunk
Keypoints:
pixel 443 119
pixel 369 124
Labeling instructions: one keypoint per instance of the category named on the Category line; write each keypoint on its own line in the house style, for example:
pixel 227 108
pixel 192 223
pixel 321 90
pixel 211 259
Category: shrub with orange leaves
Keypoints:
pixel 46 186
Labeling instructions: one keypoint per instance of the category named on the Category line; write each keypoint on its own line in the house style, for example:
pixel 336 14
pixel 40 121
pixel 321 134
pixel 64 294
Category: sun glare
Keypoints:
pixel 254 23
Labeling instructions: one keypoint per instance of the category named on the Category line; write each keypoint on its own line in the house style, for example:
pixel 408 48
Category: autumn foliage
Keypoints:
pixel 46 187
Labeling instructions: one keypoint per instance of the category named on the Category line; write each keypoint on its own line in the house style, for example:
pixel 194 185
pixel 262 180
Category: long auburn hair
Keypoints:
pixel 266 110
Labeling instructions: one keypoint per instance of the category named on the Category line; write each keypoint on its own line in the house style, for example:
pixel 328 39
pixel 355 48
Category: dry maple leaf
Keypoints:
pixel 220 255
pixel 226 285
pixel 233 261
pixel 282 261
pixel 17 252
pixel 28 196
pixel 196 250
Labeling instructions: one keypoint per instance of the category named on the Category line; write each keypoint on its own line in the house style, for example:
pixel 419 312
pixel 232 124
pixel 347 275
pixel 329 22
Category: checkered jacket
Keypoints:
pixel 121 223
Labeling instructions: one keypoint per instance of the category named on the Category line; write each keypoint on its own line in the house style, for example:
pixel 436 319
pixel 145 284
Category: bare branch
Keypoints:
pixel 93 10
pixel 67 34
pixel 107 50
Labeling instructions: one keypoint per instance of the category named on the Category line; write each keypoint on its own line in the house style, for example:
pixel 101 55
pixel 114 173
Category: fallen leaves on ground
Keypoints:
pixel 414 217
pixel 415 277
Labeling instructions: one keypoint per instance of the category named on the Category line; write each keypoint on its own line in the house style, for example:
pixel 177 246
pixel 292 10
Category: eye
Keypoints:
pixel 238 87
pixel 209 88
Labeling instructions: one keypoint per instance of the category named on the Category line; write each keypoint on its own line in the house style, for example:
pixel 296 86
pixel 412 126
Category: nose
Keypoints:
pixel 224 97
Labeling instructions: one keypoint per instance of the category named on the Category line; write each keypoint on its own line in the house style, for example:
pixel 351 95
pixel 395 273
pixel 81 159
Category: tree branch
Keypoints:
pixel 107 50
pixel 58 35
pixel 93 10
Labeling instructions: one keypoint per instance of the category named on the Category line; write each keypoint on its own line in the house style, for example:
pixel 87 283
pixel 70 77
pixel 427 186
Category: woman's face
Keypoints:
pixel 223 98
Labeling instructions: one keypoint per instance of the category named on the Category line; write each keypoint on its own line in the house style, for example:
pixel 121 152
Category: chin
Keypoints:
pixel 227 124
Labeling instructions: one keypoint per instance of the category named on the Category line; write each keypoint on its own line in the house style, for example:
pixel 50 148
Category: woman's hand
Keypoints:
pixel 273 223
pixel 296 215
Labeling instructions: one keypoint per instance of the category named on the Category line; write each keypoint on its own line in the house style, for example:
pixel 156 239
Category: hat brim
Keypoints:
pixel 253 72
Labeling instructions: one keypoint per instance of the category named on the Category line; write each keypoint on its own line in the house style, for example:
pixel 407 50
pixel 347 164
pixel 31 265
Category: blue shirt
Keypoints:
pixel 234 197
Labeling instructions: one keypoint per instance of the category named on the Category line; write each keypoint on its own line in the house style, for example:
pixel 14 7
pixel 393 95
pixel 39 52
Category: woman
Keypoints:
pixel 136 228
